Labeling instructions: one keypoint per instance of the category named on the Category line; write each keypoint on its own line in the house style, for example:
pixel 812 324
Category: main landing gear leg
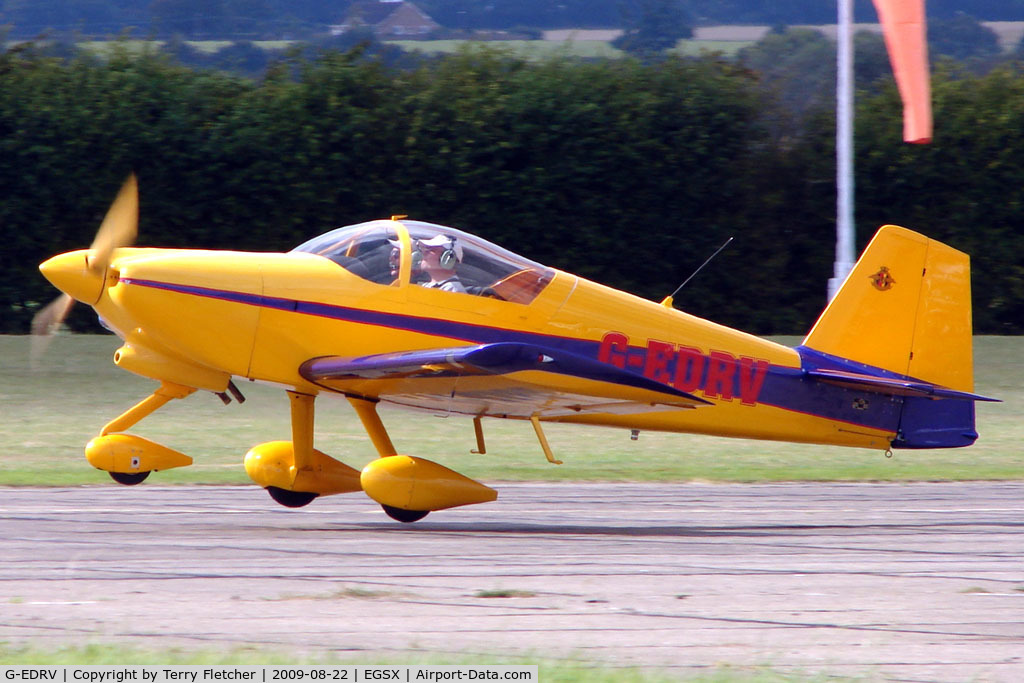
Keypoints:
pixel 408 487
pixel 367 412
pixel 295 473
pixel 303 416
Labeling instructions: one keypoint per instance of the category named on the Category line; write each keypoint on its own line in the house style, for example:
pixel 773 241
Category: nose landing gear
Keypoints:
pixel 127 458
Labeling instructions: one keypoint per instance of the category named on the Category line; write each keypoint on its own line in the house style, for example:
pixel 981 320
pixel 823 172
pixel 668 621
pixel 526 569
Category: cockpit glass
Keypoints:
pixel 369 250
pixel 372 251
pixel 483 268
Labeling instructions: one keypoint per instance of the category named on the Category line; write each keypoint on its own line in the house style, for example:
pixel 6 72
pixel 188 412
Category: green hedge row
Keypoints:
pixel 626 173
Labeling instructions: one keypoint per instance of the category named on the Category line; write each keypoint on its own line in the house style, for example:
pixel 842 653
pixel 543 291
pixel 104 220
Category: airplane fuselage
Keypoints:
pixel 261 315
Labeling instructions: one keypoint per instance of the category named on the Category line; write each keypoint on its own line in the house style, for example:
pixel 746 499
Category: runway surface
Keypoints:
pixel 916 582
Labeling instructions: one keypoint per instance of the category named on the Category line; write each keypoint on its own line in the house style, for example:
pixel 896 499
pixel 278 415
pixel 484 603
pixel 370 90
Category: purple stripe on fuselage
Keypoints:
pixel 438 327
pixel 784 387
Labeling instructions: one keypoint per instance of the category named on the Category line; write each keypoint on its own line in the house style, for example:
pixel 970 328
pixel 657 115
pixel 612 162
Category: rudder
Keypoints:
pixel 905 308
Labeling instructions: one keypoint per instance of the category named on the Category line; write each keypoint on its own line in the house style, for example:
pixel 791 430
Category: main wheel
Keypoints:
pixel 291 499
pixel 407 516
pixel 129 478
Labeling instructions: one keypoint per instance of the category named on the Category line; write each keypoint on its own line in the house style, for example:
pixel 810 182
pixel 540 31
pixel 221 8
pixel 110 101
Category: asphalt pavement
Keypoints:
pixel 907 582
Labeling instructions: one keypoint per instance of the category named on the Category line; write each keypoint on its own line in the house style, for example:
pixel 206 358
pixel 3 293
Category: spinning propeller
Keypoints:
pixel 81 274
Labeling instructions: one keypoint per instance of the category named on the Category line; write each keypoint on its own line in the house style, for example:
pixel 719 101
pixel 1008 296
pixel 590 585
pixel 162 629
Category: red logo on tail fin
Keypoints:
pixel 882 280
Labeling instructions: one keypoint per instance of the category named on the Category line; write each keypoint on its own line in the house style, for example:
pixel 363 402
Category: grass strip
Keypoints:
pixel 50 412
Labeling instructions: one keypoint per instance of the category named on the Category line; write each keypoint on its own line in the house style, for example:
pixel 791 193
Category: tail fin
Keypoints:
pixel 906 308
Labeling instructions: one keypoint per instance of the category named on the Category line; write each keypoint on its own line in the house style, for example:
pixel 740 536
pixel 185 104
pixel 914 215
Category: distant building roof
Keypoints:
pixel 387 19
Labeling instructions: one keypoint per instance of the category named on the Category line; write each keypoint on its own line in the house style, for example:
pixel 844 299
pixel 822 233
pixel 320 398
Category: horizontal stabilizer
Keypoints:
pixel 893 386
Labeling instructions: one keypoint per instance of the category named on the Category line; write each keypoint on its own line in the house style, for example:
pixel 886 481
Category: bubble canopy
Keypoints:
pixel 377 250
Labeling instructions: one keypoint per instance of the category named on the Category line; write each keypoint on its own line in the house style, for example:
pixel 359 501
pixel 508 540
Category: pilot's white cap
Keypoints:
pixel 438 241
pixel 444 241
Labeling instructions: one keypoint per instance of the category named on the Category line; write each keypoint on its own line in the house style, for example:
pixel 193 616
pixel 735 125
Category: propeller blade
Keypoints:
pixel 119 226
pixel 118 229
pixel 49 318
pixel 45 324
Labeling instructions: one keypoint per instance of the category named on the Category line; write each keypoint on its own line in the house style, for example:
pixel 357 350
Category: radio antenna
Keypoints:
pixel 667 301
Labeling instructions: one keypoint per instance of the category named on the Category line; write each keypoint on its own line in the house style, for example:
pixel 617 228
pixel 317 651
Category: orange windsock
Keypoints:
pixel 903 25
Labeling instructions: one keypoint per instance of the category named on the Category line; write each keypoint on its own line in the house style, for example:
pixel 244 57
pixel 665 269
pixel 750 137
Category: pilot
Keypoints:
pixel 438 258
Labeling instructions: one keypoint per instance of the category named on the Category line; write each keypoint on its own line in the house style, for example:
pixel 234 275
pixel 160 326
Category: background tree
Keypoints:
pixel 191 18
pixel 797 72
pixel 961 37
pixel 653 26
pixel 86 16
pixel 871 63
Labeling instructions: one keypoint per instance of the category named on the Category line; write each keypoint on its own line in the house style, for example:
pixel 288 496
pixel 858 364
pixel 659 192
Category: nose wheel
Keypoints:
pixel 129 478
pixel 407 516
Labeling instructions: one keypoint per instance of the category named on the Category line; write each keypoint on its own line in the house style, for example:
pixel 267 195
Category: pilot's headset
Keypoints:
pixel 417 256
pixel 395 256
pixel 451 255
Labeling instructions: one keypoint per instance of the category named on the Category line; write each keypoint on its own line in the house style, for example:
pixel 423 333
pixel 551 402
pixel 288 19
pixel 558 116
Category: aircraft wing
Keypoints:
pixel 504 379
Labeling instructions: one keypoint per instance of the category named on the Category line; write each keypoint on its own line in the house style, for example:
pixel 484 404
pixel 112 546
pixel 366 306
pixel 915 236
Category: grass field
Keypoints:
pixel 48 413
pixel 527 49
pixel 543 49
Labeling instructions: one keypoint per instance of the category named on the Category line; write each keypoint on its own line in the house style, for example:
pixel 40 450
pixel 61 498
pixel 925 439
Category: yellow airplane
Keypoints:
pixel 436 319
